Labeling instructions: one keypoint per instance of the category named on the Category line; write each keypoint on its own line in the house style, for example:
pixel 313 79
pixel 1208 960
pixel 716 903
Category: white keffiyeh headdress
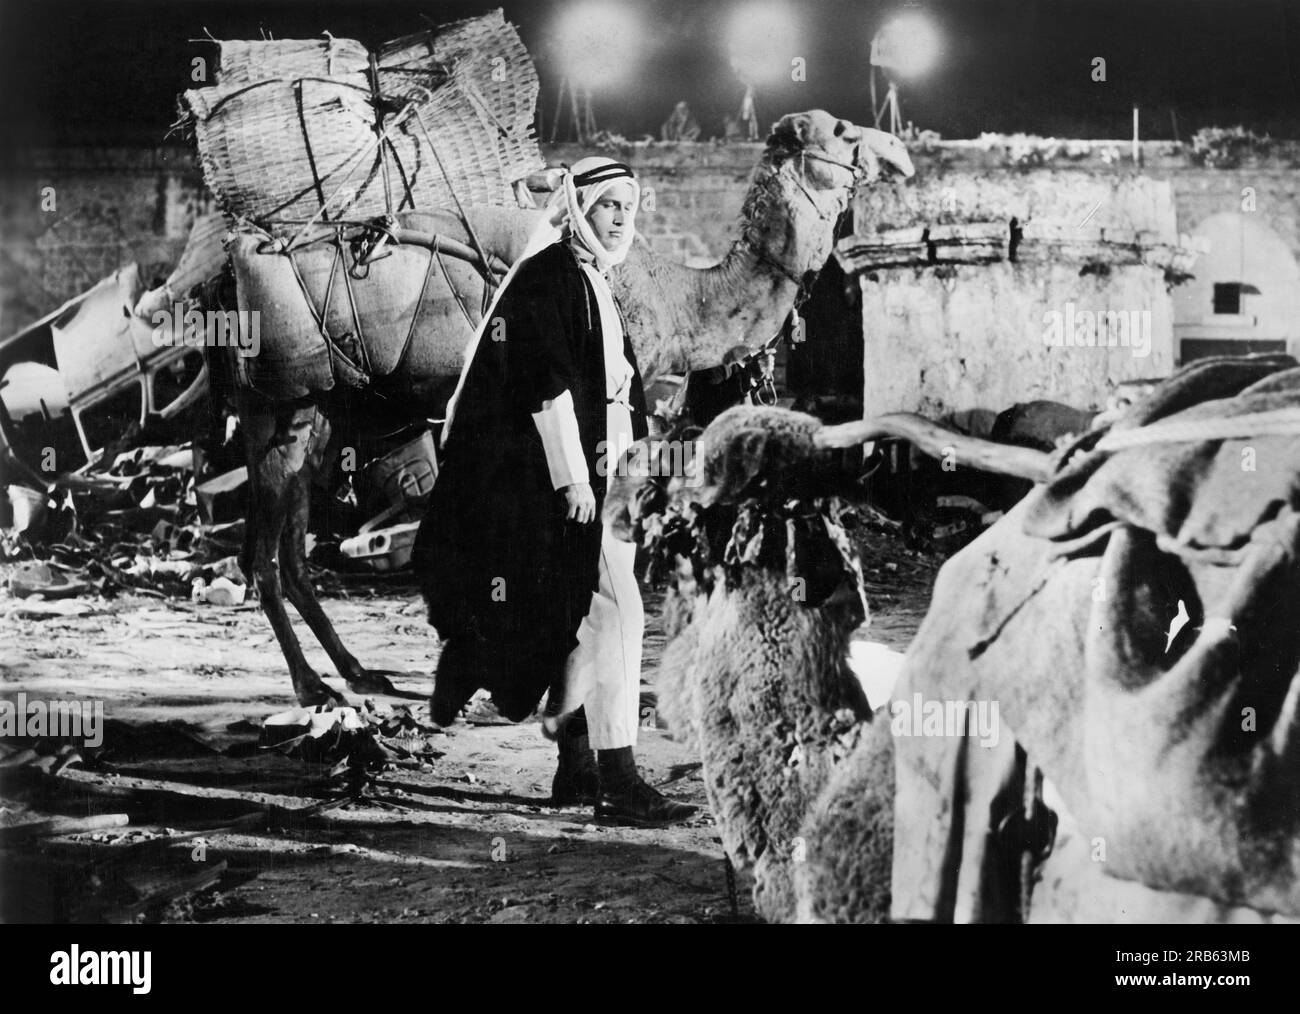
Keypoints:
pixel 566 217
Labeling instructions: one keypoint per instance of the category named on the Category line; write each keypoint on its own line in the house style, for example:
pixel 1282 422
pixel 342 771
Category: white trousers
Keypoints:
pixel 603 673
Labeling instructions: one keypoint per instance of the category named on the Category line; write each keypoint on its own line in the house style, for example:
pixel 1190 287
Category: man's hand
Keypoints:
pixel 581 502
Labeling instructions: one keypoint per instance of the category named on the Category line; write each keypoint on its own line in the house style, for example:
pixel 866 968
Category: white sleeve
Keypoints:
pixel 558 427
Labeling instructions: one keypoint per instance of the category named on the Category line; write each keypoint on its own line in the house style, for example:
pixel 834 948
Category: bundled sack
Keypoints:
pixel 1135 621
pixel 289 127
pixel 326 318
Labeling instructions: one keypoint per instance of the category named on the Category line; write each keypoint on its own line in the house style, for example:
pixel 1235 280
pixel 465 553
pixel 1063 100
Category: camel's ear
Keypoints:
pixel 791 131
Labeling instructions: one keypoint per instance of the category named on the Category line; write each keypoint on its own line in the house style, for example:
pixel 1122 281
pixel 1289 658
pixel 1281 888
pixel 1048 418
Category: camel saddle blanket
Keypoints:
pixel 1134 621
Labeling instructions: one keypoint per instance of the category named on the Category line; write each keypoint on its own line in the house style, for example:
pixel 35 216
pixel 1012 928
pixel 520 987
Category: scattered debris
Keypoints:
pixel 27 506
pixel 383 549
pixel 40 579
pixel 366 739
pixel 221 592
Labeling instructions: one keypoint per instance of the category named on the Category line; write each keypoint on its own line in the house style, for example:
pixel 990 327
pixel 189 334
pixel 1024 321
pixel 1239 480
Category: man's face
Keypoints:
pixel 612 215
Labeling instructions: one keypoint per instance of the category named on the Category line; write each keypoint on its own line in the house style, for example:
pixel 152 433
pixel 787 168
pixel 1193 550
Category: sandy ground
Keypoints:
pixel 469 838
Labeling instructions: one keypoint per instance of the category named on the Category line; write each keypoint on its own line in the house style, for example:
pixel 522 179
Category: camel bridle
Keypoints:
pixel 761 386
pixel 819 155
pixel 798 178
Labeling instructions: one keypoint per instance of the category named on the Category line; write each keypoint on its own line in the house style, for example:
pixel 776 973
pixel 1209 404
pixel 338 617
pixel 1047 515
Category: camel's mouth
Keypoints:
pixel 883 156
pixel 890 171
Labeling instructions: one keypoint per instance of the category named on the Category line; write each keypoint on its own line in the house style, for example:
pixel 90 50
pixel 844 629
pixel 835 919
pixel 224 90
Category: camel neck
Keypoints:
pixel 789 227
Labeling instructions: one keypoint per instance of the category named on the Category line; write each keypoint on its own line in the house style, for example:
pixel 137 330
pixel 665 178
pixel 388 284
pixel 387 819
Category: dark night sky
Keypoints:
pixel 108 71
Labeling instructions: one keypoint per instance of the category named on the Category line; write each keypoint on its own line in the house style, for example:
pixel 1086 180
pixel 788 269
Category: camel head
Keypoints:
pixel 804 183
pixel 753 490
pixel 835 154
pixel 744 452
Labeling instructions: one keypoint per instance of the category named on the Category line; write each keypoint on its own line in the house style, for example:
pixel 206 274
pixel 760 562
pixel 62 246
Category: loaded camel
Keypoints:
pixel 398 328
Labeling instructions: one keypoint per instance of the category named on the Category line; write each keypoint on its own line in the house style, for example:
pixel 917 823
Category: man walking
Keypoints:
pixel 528 590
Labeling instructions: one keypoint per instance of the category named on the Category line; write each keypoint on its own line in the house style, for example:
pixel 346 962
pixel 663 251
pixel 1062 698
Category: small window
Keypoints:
pixel 1227 296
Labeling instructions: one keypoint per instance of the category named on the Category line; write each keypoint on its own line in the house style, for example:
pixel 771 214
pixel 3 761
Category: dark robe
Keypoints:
pixel 506 577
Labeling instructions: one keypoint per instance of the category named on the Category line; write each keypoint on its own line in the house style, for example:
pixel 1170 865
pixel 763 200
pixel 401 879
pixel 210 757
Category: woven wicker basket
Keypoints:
pixel 289 127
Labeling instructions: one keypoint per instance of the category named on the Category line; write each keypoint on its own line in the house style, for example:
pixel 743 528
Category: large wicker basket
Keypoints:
pixel 289 128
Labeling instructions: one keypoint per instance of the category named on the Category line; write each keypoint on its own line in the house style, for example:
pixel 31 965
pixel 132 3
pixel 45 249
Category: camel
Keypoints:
pixel 303 398
pixel 754 677
pixel 1128 619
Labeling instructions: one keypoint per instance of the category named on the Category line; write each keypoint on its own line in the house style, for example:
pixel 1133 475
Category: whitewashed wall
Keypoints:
pixel 963 337
pixel 955 337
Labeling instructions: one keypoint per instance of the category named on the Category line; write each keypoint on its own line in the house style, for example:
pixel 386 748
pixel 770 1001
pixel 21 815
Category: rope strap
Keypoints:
pixel 377 101
pixel 460 208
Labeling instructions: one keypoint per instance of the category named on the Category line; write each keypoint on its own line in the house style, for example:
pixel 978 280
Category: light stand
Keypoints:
pixel 582 118
pixel 748 114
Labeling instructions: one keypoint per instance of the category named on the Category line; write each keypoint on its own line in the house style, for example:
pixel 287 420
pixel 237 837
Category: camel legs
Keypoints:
pixel 286 444
pixel 275 462
pixel 297 585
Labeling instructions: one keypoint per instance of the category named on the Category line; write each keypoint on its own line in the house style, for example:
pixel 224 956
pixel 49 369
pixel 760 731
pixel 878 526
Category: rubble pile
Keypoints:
pixel 137 525
pixel 151 522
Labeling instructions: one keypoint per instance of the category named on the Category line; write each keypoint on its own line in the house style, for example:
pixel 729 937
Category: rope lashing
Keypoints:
pixel 306 140
pixel 377 102
pixel 446 277
pixel 357 156
pixel 1272 423
pixel 471 92
pixel 819 155
pixel 460 208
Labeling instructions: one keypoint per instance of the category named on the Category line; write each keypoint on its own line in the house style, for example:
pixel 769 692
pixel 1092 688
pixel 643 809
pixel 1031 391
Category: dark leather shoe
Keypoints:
pixel 641 805
pixel 576 782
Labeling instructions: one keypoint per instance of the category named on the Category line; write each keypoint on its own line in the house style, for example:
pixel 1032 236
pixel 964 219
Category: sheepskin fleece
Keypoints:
pixel 748 446
pixel 845 875
pixel 678 674
pixel 773 707
pixel 758 685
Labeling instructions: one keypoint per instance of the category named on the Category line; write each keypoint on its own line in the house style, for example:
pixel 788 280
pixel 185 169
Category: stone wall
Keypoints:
pixel 1250 218
pixel 956 337
pixel 963 337
pixel 694 191
pixel 71 217
pixel 115 205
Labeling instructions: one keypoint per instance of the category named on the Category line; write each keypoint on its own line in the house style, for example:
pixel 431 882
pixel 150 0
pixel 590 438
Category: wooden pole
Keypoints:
pixel 578 125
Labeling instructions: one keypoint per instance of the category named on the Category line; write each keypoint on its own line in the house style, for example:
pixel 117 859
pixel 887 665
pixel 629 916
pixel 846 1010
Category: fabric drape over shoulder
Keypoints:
pixel 506 577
